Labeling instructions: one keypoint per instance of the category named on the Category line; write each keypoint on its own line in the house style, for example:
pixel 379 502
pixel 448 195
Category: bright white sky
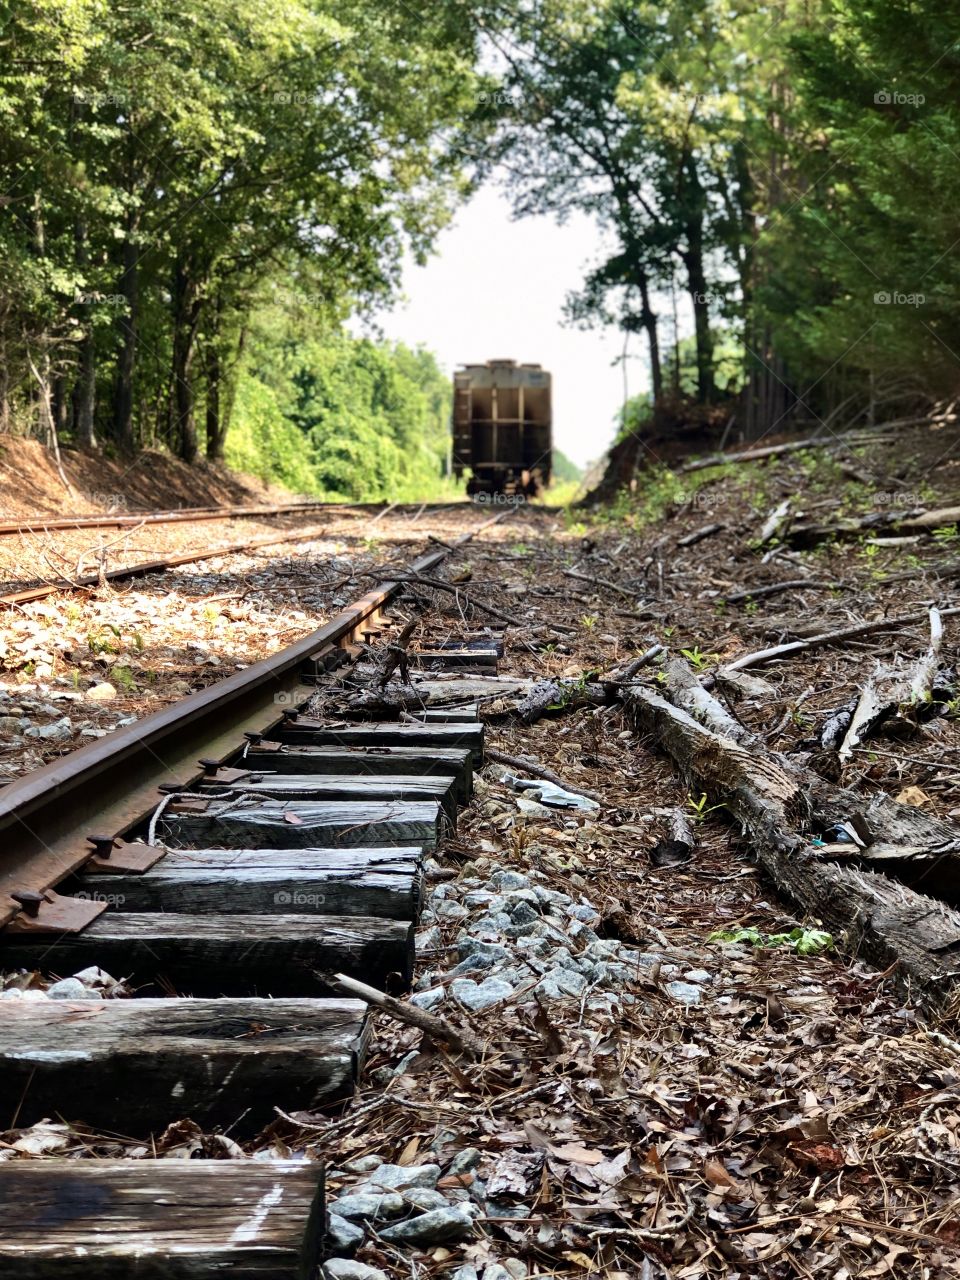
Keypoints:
pixel 495 289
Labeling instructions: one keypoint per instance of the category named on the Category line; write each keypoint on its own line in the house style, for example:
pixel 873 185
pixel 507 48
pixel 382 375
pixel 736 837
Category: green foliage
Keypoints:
pixel 806 942
pixel 341 417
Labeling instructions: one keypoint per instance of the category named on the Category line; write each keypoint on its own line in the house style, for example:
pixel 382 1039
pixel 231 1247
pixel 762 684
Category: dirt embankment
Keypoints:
pixel 30 485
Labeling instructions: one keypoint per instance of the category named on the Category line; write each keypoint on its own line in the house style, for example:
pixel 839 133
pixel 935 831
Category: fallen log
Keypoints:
pixel 809 535
pixel 774 800
pixel 554 695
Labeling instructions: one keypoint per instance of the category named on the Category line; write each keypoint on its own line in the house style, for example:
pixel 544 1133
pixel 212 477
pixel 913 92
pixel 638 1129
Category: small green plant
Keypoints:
pixel 806 942
pixel 138 642
pixel 73 611
pixel 699 808
pixel 589 621
pixel 946 533
pixel 752 606
pixel 123 678
pixel 99 644
pixel 697 659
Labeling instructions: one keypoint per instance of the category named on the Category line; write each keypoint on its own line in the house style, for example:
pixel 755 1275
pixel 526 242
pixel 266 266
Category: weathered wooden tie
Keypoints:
pixel 179 1219
pixel 252 823
pixel 384 882
pixel 383 760
pixel 130 1066
pixel 280 955
pixel 385 734
pixel 286 786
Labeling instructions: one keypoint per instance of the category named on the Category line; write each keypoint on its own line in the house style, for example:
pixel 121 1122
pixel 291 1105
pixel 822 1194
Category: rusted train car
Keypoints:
pixel 502 427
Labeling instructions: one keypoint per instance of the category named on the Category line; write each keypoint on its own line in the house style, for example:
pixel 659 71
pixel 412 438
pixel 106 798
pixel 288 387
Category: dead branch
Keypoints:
pixel 698 535
pixel 831 637
pixel 539 771
pixel 429 1023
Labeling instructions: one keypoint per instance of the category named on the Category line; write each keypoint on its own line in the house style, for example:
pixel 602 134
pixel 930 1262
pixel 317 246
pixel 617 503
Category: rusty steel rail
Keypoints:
pixel 27 594
pixel 110 785
pixel 185 515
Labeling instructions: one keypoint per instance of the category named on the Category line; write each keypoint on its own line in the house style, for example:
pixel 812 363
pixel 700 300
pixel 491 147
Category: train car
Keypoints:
pixel 502 427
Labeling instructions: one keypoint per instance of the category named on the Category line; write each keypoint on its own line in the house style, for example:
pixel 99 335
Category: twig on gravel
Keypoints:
pixel 539 771
pixel 774 588
pixel 431 1025
pixel 455 591
pixel 600 582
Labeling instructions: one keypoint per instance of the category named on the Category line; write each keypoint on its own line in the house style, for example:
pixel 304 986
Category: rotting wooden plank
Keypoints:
pixel 454 762
pixel 130 1066
pixel 179 1219
pixel 289 786
pixel 449 715
pixel 212 955
pixel 389 734
pixel 296 824
pixel 392 891
pixel 452 658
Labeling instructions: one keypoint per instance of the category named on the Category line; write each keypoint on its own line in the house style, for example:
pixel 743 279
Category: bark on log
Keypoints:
pixel 212 955
pixel 874 916
pixel 133 1066
pixel 190 1219
pixel 892 691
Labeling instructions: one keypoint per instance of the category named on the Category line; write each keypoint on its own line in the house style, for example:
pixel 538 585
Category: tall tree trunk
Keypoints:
pixel 127 325
pixel 692 257
pixel 648 321
pixel 186 313
pixel 85 387
pixel 230 383
pixel 85 395
pixel 215 432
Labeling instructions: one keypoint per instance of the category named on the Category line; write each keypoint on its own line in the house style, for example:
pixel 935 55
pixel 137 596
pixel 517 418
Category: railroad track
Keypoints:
pixel 224 854
pixel 188 515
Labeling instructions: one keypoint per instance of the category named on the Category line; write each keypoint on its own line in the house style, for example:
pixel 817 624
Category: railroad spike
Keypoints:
pixel 29 900
pixel 253 737
pixel 210 766
pixel 103 846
